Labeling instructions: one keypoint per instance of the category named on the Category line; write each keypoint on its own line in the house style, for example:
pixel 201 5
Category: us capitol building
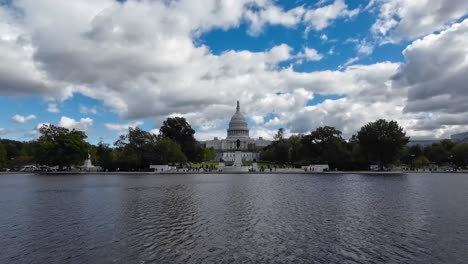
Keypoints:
pixel 237 140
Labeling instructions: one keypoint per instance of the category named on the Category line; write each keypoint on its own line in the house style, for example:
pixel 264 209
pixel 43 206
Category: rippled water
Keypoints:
pixel 418 218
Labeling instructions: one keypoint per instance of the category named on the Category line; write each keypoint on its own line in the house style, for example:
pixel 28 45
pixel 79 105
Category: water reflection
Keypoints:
pixel 234 218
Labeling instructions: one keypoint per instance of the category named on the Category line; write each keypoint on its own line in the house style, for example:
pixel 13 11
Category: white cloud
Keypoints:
pixel 273 15
pixel 82 125
pixel 154 131
pixel 150 66
pixel 437 88
pixel 310 54
pixel 267 133
pixel 139 59
pixel 122 128
pixel 415 18
pixel 348 62
pixel 365 48
pixel 3 131
pixel 88 110
pixel 274 122
pixel 314 18
pixel 53 108
pixel 258 119
pixel 22 119
pixel 19 75
pixel 35 133
pixel 321 17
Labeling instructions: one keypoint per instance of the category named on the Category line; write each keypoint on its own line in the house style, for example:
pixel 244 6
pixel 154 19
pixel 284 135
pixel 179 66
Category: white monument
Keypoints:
pixel 87 162
pixel 88 165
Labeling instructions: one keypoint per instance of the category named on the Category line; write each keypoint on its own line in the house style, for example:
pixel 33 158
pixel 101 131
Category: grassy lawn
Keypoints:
pixel 204 164
pixel 227 163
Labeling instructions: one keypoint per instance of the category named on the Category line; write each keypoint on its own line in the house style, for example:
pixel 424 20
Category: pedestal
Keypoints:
pixel 237 159
pixel 254 166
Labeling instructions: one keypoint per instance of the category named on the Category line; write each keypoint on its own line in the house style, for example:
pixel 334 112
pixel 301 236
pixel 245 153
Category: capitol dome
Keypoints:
pixel 238 125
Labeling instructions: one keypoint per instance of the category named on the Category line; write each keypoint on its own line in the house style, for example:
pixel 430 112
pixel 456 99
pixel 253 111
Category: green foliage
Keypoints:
pixel 60 146
pixel 3 155
pixel 18 153
pixel 460 155
pixel 421 161
pixel 329 146
pixel 408 154
pixel 179 130
pixel 209 154
pixel 356 155
pixel 295 148
pixel 324 145
pixel 279 149
pixel 136 149
pixel 437 153
pixel 167 151
pixel 206 165
pixel 382 141
pixel 103 156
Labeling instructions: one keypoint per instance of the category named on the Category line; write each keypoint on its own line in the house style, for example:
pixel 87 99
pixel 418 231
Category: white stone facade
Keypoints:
pixel 237 132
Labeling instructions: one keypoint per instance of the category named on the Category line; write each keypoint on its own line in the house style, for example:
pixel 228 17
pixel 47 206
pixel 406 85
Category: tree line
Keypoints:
pixel 381 142
pixel 133 151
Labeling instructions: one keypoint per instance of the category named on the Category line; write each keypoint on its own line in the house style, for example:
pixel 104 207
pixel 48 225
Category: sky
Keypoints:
pixel 102 66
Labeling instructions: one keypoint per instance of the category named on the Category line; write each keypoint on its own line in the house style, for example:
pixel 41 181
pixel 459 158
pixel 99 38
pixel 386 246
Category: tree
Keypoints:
pixel 382 141
pixel 18 153
pixel 209 154
pixel 168 151
pixel 324 145
pixel 325 134
pixel 179 130
pixel 136 148
pixel 295 149
pixel 460 154
pixel 421 161
pixel 60 146
pixel 279 135
pixel 330 144
pixel 447 144
pixel 355 151
pixel 3 155
pixel 278 150
pixel 410 153
pixel 103 156
pixel 437 153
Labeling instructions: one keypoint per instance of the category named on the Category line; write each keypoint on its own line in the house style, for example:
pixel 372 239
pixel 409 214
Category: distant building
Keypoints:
pixel 456 138
pixel 460 138
pixel 237 140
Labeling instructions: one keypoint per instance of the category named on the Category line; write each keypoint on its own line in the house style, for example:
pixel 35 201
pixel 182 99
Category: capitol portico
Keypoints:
pixel 237 140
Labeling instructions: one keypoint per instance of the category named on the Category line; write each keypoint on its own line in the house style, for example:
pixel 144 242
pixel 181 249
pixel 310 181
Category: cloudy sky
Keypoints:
pixel 103 65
